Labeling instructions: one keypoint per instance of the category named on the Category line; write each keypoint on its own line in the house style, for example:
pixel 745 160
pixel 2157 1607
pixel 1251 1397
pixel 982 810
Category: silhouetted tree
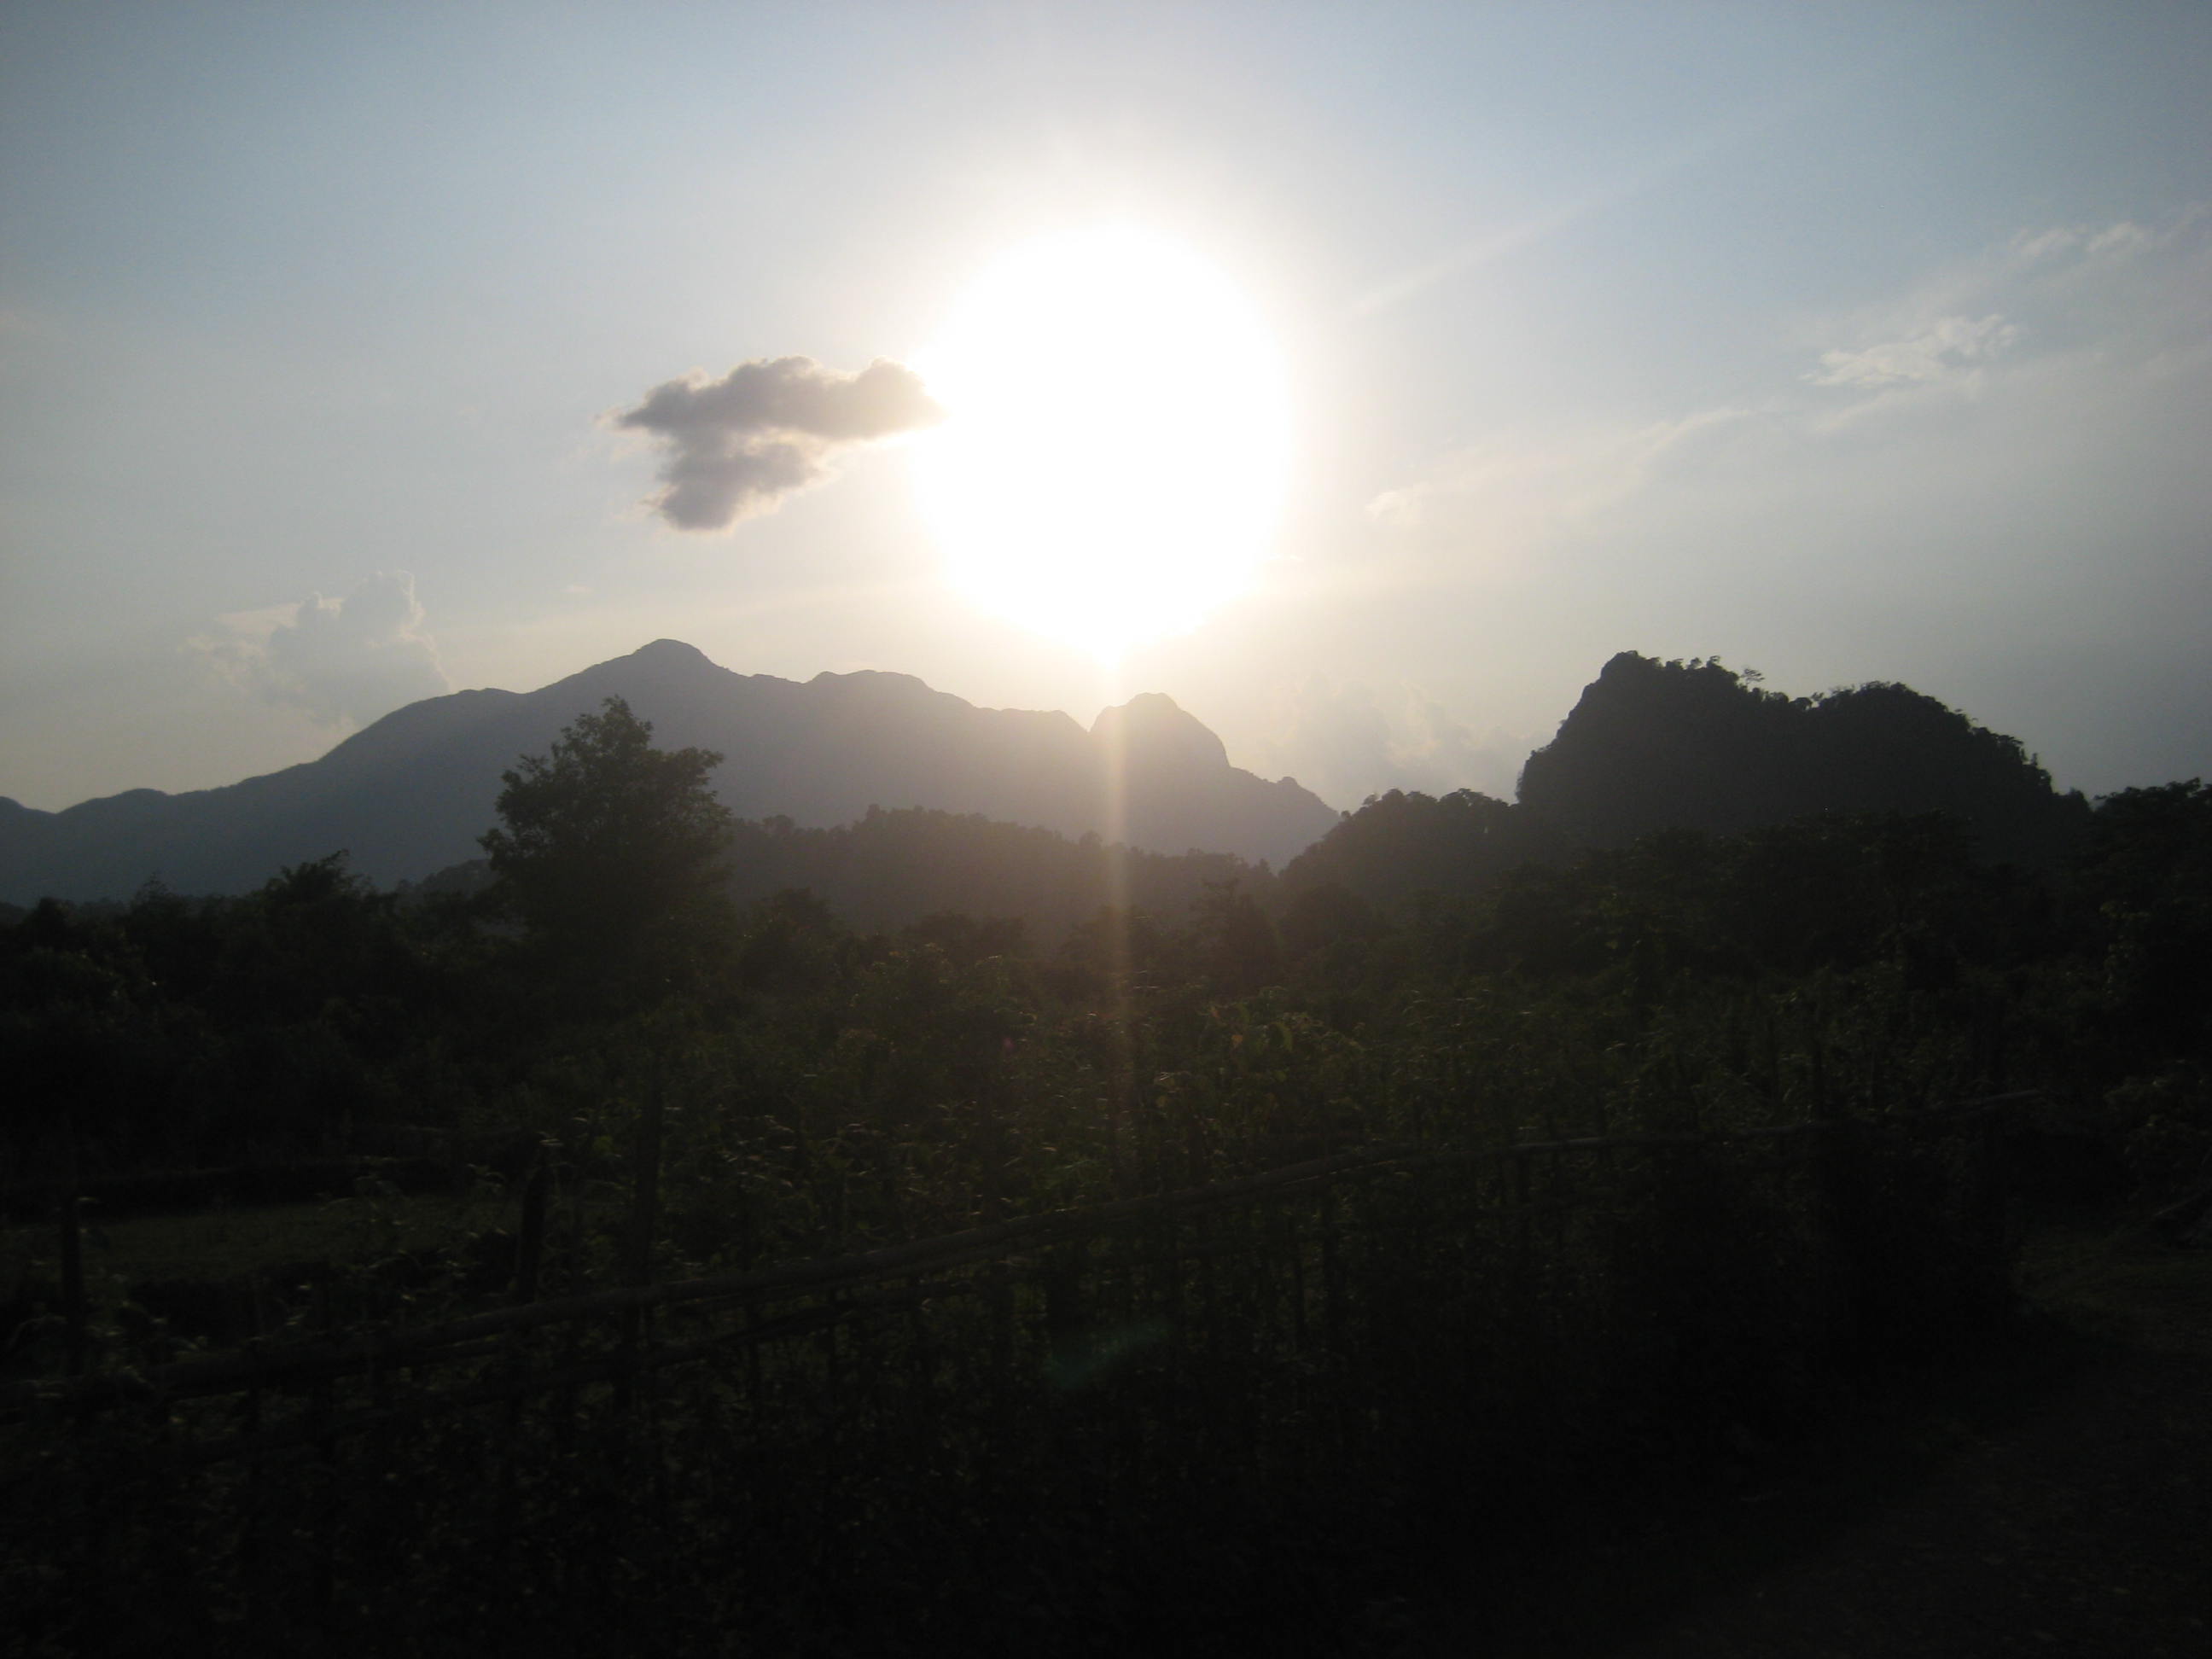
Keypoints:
pixel 608 842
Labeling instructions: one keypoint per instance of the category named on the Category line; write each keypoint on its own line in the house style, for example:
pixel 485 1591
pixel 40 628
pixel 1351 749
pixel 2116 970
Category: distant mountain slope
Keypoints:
pixel 409 795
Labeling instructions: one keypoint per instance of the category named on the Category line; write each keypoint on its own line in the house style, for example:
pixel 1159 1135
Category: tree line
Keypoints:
pixel 921 962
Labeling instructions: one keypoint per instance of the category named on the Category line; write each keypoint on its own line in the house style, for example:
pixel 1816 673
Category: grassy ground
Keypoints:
pixel 215 1276
pixel 224 1244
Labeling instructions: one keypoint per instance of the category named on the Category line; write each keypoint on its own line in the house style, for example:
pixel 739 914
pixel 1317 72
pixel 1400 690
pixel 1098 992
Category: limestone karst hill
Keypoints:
pixel 1655 746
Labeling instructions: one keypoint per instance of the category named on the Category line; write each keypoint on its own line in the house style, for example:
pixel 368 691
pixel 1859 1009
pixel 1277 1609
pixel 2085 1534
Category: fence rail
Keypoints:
pixel 261 1366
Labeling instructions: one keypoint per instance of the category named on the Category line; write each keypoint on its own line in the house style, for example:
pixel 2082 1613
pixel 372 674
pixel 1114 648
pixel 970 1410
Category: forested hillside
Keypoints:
pixel 1655 746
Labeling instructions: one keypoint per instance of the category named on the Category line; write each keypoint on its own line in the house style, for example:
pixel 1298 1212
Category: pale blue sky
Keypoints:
pixel 1849 342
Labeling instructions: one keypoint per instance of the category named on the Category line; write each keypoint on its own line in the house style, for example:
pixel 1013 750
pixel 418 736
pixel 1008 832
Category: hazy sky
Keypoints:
pixel 1848 341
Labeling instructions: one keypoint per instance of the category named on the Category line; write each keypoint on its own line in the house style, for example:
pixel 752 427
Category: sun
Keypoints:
pixel 1114 461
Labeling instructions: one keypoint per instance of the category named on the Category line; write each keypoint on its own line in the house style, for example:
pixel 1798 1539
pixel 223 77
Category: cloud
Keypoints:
pixel 2007 351
pixel 2056 290
pixel 344 662
pixel 738 445
pixel 1943 348
pixel 1346 742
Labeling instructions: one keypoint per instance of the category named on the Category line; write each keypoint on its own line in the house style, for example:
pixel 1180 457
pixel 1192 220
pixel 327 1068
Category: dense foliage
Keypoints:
pixel 176 1032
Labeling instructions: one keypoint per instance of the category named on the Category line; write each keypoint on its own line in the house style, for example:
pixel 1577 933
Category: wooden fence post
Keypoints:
pixel 1523 1232
pixel 322 1479
pixel 529 1246
pixel 644 1190
pixel 75 1316
pixel 1063 1313
pixel 999 1296
pixel 529 1259
pixel 75 1337
pixel 1333 1319
pixel 644 1214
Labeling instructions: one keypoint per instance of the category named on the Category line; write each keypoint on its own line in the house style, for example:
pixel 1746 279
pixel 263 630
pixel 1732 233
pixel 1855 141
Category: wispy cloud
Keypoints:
pixel 342 662
pixel 736 446
pixel 2028 335
pixel 1945 347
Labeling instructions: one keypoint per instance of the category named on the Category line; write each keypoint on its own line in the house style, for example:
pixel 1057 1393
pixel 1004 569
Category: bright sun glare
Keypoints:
pixel 1115 458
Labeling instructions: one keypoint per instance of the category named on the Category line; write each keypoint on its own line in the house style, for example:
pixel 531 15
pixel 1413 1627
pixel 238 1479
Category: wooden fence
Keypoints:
pixel 848 1286
pixel 1279 1337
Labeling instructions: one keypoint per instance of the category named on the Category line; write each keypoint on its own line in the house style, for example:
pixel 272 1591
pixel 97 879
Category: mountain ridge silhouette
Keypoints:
pixel 409 794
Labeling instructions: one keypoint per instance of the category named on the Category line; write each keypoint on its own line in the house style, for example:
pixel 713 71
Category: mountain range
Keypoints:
pixel 409 795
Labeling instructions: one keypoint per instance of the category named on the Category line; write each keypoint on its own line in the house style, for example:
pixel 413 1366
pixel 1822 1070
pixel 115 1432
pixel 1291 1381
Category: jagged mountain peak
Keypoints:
pixel 1152 727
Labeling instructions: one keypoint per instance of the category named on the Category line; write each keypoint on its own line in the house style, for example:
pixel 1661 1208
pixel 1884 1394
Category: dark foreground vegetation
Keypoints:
pixel 1485 1169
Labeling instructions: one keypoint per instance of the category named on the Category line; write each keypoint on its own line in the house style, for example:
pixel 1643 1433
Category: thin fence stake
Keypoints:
pixel 75 1316
pixel 530 1243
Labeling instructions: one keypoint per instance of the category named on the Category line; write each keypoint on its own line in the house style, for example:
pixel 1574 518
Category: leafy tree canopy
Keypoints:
pixel 607 840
